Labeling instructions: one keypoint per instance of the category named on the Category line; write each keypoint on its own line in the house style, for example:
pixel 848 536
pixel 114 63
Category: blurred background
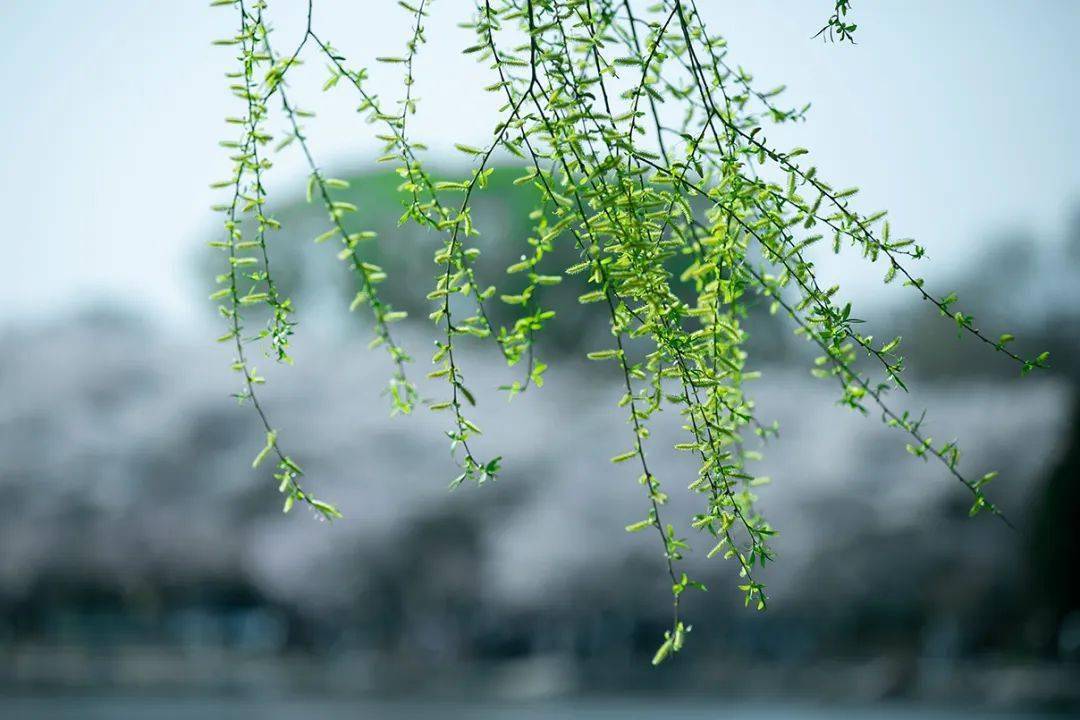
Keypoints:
pixel 146 570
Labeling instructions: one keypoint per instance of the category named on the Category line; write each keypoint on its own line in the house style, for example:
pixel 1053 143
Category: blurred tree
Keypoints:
pixel 313 279
pixel 1055 545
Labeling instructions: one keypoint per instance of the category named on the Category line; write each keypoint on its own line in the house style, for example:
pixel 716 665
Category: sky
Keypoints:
pixel 958 117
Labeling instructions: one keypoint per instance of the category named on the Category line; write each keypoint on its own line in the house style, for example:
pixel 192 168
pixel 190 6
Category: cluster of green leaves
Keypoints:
pixel 582 83
pixel 837 26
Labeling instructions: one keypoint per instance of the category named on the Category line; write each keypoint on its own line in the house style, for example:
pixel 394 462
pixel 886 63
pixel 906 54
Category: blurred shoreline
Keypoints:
pixel 987 684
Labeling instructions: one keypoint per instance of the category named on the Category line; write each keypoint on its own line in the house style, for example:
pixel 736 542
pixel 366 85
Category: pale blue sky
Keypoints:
pixel 959 117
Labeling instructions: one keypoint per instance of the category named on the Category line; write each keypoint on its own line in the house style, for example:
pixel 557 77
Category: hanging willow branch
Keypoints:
pixel 582 83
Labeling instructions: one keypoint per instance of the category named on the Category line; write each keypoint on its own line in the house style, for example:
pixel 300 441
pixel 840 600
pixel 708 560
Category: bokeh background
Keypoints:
pixel 146 571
